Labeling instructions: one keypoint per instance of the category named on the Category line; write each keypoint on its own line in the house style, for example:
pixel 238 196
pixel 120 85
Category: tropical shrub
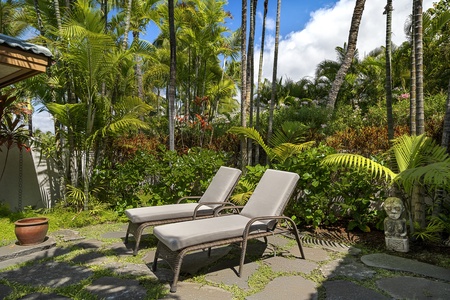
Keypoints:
pixel 155 179
pixel 326 195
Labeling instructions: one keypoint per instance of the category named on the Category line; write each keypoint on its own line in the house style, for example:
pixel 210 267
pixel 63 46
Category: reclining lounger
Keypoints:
pixel 258 218
pixel 217 193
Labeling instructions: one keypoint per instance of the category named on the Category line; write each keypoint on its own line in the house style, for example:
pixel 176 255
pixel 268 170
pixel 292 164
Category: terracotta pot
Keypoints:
pixel 31 231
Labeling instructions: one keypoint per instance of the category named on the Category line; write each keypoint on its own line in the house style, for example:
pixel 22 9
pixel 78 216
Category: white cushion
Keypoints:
pixel 221 185
pixel 177 236
pixel 218 190
pixel 271 195
pixel 163 212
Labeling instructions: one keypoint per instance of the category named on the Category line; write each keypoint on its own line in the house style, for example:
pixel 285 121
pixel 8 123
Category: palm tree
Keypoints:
pixel 8 23
pixel 418 47
pixel 415 160
pixel 388 13
pixel 244 161
pixel 274 72
pixel 446 127
pixel 351 48
pixel 250 71
pixel 172 76
pixel 261 58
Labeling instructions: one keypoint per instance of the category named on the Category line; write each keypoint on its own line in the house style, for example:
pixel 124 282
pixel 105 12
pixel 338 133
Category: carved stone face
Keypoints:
pixel 394 207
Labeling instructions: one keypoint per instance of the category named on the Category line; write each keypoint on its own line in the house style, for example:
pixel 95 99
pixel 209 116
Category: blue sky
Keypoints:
pixel 294 13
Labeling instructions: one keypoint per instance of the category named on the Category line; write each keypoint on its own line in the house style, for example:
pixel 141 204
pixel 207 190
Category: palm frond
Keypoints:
pixel 286 150
pixel 289 132
pixel 435 174
pixel 253 134
pixel 359 162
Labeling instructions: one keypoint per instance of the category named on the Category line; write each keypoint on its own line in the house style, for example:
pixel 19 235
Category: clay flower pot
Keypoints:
pixel 31 231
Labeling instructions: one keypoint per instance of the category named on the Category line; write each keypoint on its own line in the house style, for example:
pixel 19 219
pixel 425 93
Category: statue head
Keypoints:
pixel 394 207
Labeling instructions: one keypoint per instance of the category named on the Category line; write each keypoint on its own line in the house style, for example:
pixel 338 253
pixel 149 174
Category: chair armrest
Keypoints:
pixel 188 197
pixel 215 203
pixel 235 208
pixel 262 218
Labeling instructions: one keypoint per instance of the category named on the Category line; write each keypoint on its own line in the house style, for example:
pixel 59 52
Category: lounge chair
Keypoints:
pixel 217 193
pixel 258 218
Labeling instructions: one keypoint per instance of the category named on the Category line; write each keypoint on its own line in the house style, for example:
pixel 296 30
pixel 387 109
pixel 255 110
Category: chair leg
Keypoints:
pixel 297 238
pixel 128 232
pixel 177 269
pixel 137 230
pixel 243 251
pixel 155 261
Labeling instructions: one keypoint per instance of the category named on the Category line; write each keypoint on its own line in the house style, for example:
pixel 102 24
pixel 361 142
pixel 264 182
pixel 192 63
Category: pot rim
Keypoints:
pixel 31 221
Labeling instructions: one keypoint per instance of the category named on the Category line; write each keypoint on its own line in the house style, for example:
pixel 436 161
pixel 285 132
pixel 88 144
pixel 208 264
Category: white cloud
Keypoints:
pixel 270 22
pixel 300 52
pixel 43 121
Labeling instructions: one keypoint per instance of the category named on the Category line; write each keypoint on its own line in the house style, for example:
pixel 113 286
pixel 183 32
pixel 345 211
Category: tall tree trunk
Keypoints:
pixel 250 74
pixel 390 118
pixel 274 73
pixel 446 128
pixel 127 24
pixel 138 69
pixel 351 48
pixel 261 58
pixel 244 82
pixel 172 79
pixel 57 13
pixel 418 44
pixel 39 17
pixel 412 92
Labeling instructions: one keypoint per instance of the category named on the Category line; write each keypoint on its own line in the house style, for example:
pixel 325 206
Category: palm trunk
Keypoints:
pixel 172 79
pixel 351 48
pixel 138 70
pixel 390 118
pixel 244 83
pixel 412 93
pixel 274 74
pixel 446 128
pixel 261 58
pixel 418 44
pixel 127 25
pixel 250 73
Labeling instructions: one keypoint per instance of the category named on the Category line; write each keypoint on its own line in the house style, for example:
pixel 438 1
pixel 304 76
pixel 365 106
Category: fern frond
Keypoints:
pixel 359 162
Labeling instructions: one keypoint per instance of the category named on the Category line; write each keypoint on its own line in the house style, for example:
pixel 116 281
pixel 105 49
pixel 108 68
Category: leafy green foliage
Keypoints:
pixel 327 195
pixel 161 178
pixel 282 147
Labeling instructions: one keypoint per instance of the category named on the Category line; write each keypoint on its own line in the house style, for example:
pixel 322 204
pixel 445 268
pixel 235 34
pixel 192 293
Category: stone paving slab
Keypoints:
pixel 288 287
pixel 4 291
pixel 391 262
pixel 112 288
pixel 16 250
pixel 194 291
pixel 52 252
pixel 407 287
pixel 50 274
pixel 90 258
pixel 349 267
pixel 88 244
pixel 129 269
pixel 283 264
pixel 311 253
pixel 347 290
pixel 226 273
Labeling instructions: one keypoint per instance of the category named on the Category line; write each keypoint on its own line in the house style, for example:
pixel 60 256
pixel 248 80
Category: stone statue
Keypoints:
pixel 395 226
